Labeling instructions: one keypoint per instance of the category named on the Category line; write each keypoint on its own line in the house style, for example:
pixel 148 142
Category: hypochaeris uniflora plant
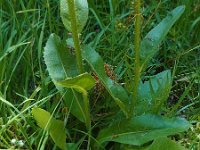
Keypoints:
pixel 138 120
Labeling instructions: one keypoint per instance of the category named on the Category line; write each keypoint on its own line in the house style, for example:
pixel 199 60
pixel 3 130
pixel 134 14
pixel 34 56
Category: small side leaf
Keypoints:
pixel 85 81
pixel 142 129
pixel 55 127
pixel 42 117
pixel 81 8
pixel 81 83
pixel 150 43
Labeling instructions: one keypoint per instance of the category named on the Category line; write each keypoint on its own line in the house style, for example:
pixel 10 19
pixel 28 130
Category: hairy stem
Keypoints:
pixel 137 71
pixel 72 14
pixel 88 119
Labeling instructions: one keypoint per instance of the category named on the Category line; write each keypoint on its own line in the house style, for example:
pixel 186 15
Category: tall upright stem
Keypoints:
pixel 72 14
pixel 137 71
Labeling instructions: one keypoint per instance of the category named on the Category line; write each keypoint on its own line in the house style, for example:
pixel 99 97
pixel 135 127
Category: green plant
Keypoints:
pixel 139 120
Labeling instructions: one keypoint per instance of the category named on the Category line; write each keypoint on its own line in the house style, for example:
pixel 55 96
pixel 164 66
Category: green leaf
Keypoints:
pixel 55 127
pixel 150 43
pixel 152 94
pixel 81 8
pixel 58 133
pixel 142 129
pixel 71 146
pixel 60 65
pixel 165 144
pixel 82 81
pixel 116 91
pixel 42 117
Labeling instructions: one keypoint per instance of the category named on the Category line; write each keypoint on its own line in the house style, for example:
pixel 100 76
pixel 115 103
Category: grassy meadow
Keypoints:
pixel 25 81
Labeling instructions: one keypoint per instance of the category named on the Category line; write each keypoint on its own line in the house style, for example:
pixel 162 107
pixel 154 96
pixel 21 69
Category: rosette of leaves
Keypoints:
pixel 137 129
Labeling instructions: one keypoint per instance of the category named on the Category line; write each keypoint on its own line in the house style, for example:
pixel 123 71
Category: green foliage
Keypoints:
pixel 56 128
pixel 142 129
pixel 153 94
pixel 116 91
pixel 60 65
pixel 43 118
pixel 81 82
pixel 26 82
pixel 151 42
pixel 58 133
pixel 81 9
pixel 165 143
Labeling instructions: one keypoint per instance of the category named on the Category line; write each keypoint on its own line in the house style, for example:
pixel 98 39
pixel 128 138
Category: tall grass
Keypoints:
pixel 24 81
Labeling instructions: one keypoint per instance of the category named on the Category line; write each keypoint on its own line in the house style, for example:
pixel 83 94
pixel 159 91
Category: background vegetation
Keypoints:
pixel 25 82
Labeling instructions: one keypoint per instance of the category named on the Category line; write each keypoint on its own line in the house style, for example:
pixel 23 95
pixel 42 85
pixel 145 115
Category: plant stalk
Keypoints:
pixel 72 14
pixel 137 71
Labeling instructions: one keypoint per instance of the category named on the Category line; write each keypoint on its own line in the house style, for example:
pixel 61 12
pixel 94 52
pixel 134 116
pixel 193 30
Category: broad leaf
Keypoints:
pixel 55 127
pixel 165 144
pixel 152 94
pixel 116 91
pixel 82 81
pixel 142 129
pixel 60 65
pixel 150 43
pixel 58 133
pixel 42 117
pixel 81 10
